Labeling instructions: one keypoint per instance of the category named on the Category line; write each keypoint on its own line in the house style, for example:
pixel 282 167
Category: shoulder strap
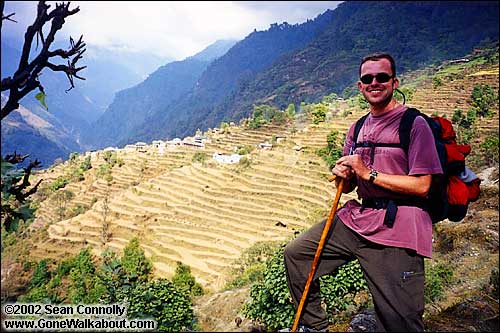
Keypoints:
pixel 358 126
pixel 405 127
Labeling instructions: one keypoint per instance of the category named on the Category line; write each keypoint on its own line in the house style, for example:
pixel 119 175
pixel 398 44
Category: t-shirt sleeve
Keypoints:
pixel 349 140
pixel 423 158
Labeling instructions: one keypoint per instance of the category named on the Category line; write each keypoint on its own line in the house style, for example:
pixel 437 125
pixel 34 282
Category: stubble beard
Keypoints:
pixel 383 103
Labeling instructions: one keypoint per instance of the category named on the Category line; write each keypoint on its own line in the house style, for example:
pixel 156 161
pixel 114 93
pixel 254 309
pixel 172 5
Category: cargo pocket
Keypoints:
pixel 412 283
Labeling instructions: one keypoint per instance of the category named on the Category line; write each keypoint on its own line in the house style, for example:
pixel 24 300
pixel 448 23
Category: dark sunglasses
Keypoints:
pixel 381 78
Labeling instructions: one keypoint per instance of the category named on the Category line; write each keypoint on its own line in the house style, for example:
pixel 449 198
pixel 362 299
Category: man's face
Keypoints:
pixel 377 93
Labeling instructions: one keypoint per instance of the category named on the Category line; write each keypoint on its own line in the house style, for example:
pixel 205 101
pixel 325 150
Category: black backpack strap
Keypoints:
pixel 406 125
pixel 357 129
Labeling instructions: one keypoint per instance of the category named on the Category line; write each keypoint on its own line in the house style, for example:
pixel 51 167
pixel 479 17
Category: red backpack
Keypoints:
pixel 451 192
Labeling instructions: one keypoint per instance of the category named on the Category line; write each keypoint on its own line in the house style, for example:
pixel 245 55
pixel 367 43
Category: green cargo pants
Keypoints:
pixel 395 276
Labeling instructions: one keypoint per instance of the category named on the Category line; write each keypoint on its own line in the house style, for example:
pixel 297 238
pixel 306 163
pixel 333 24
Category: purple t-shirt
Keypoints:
pixel 412 228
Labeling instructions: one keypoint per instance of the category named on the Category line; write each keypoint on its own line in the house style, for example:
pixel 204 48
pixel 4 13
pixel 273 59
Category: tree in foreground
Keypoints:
pixel 15 182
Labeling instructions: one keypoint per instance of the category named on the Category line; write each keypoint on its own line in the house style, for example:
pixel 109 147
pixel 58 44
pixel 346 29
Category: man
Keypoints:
pixel 390 242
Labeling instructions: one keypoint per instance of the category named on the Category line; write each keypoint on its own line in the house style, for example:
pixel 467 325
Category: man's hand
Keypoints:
pixel 350 165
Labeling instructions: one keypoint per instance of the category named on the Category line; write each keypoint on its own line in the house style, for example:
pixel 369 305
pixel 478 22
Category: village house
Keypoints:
pixel 226 159
pixel 141 147
pixel 130 148
pixel 280 138
pixel 265 146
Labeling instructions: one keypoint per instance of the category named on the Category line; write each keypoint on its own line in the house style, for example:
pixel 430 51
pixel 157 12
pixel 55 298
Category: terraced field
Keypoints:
pixel 206 214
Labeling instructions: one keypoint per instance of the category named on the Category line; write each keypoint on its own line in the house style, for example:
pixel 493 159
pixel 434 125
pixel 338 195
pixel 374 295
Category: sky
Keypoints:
pixel 168 29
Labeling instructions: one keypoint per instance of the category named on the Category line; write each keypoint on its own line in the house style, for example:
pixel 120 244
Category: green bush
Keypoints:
pixel 164 302
pixel 437 277
pixel 362 103
pixel 114 278
pixel 86 164
pixel 76 174
pixel 184 280
pixel 41 274
pixel 333 151
pixel 200 157
pixel 103 171
pixel 73 157
pixel 36 295
pixel 243 150
pixel 135 263
pixel 290 111
pixel 250 266
pixel 60 182
pixel 85 287
pixel 489 150
pixel 244 162
pixel 483 99
pixel 271 303
pixel 436 82
pixel 319 113
pixel 107 156
pixel 408 94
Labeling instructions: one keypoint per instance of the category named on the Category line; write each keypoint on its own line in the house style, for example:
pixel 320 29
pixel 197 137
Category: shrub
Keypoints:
pixel 243 150
pixel 114 278
pixel 489 150
pixel 244 162
pixel 103 171
pixel 85 287
pixel 135 263
pixel 271 303
pixel 73 157
pixel 437 277
pixel 436 82
pixel 41 274
pixel 483 99
pixel 333 151
pixel 163 301
pixel 200 157
pixel 250 266
pixel 407 92
pixel 318 113
pixel 184 280
pixel 86 164
pixel 60 182
pixel 290 111
pixel 494 283
pixel 76 174
pixel 362 103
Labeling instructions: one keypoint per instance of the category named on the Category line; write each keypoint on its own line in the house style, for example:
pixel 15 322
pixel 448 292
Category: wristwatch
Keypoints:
pixel 373 175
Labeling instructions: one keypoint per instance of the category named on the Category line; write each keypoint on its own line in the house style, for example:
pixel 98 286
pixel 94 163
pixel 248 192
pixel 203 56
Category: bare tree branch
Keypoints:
pixel 25 78
pixel 8 17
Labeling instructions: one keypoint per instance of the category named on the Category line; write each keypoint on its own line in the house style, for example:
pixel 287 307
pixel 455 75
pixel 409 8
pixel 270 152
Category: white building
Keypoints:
pixel 226 159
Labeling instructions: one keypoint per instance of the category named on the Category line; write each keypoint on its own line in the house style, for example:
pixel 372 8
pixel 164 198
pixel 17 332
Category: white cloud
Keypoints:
pixel 172 28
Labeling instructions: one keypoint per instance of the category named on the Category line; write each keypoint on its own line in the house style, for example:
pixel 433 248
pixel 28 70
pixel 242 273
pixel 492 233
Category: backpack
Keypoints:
pixel 451 192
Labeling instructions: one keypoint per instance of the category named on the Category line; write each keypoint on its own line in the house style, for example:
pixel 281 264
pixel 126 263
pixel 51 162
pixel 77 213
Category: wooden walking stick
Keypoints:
pixel 326 229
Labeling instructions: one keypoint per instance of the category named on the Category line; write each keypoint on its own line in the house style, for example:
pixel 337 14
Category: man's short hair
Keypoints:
pixel 377 56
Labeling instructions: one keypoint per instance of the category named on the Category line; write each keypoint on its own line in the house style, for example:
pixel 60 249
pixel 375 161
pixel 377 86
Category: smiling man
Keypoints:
pixel 390 233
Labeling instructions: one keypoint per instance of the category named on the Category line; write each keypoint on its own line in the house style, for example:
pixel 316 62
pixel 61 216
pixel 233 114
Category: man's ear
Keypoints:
pixel 395 83
pixel 360 86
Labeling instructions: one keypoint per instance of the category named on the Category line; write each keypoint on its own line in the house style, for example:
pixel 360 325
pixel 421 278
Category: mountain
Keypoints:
pixel 131 107
pixel 257 52
pixel 289 64
pixel 116 70
pixel 70 113
pixel 37 133
pixel 415 33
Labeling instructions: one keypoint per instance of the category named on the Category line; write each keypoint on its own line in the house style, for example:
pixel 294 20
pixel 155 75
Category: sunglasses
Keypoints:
pixel 381 78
